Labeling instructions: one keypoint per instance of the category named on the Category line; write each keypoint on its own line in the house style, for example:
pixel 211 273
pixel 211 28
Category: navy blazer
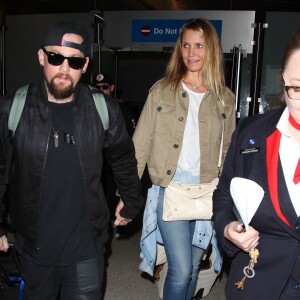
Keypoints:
pixel 277 272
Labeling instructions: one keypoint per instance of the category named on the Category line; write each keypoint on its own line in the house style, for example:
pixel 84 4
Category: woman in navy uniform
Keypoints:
pixel 265 149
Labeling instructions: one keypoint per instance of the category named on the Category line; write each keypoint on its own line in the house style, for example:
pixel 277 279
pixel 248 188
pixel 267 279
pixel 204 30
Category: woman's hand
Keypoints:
pixel 120 221
pixel 245 240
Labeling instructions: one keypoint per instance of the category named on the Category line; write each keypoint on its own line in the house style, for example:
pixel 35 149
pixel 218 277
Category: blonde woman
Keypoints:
pixel 178 137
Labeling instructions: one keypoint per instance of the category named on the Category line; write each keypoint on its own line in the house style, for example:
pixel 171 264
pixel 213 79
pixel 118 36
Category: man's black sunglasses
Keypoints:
pixel 56 59
pixel 104 86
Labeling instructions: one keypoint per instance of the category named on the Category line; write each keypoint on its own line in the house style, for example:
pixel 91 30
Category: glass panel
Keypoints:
pixel 241 90
pixel 281 25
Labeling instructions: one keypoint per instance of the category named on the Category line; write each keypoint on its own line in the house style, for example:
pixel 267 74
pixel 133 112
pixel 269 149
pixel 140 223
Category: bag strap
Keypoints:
pixel 101 106
pixel 221 145
pixel 18 103
pixel 17 108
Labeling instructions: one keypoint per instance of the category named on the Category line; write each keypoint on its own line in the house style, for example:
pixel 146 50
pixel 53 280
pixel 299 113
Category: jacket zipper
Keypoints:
pixel 42 182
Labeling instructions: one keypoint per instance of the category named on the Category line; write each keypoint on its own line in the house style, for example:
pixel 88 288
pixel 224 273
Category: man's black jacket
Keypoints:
pixel 22 161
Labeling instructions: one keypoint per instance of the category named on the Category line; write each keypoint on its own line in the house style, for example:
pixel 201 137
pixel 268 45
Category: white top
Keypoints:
pixel 189 159
pixel 289 152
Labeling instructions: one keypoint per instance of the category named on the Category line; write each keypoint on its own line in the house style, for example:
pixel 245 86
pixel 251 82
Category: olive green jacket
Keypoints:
pixel 159 133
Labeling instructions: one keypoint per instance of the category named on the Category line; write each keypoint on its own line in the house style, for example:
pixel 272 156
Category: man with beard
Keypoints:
pixel 51 167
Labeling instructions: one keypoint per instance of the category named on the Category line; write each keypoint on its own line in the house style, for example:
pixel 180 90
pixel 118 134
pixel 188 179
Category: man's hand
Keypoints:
pixel 4 244
pixel 120 221
pixel 245 240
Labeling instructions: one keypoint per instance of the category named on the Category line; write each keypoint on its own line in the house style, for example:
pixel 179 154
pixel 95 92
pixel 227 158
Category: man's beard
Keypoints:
pixel 58 92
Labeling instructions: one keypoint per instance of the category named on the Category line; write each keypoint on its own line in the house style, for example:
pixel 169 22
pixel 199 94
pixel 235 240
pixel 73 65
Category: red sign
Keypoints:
pixel 145 30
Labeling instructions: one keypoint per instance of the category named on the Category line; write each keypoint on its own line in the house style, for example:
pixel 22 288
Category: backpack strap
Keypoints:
pixel 19 102
pixel 101 106
pixel 17 108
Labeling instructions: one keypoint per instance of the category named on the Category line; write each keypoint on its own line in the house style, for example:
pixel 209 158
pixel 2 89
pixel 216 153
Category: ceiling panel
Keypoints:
pixel 70 6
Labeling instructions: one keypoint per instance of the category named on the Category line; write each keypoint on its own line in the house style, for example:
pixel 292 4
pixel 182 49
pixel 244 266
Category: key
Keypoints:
pixel 240 285
pixel 248 270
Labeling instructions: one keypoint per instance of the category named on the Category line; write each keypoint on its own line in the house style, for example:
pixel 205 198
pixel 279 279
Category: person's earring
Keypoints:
pixel 42 66
pixel 83 71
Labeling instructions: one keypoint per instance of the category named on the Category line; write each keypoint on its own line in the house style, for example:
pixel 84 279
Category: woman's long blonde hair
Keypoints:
pixel 213 65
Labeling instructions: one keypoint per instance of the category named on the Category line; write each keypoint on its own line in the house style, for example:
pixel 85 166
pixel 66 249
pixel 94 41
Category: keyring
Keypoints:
pixel 246 270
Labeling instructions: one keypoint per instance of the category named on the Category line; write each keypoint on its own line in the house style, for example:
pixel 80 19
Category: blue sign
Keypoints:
pixel 161 30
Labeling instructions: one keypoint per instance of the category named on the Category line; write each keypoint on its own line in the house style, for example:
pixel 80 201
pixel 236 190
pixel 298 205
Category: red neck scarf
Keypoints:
pixel 293 122
pixel 297 171
pixel 273 142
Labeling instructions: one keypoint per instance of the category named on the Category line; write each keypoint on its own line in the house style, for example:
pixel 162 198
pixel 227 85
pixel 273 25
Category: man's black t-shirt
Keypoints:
pixel 64 233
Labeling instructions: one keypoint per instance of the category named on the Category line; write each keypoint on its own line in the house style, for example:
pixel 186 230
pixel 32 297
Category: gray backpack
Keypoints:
pixel 19 102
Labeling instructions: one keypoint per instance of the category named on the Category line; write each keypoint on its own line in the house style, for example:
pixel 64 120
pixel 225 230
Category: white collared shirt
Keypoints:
pixel 289 152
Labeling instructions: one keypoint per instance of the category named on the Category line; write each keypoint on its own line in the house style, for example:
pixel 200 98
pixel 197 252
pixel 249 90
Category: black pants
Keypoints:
pixel 79 281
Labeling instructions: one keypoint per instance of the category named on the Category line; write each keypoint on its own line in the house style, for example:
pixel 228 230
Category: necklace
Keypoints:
pixel 194 85
pixel 55 137
pixel 59 113
pixel 294 123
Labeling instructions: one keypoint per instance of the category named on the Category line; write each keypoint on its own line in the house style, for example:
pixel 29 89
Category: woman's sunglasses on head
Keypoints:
pixel 56 59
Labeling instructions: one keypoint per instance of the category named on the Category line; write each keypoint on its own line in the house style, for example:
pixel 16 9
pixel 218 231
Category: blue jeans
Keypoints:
pixel 183 258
